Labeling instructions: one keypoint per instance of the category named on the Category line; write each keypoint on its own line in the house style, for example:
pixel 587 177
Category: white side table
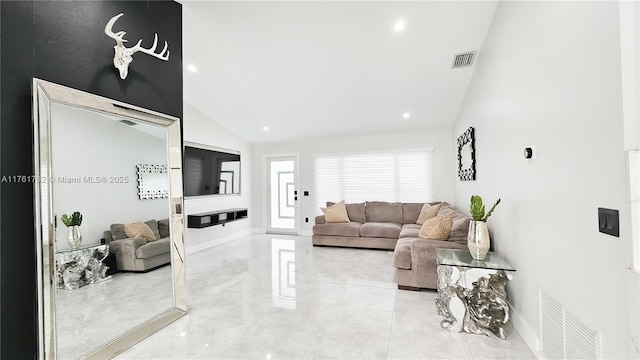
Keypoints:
pixel 472 295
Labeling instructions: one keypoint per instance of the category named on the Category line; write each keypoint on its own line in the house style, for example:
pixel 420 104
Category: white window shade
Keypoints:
pixel 402 176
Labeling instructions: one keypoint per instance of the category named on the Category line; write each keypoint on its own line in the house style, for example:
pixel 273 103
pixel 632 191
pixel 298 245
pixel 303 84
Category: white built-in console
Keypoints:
pixel 219 217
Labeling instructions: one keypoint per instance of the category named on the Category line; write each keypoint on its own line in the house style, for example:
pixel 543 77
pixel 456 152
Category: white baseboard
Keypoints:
pixel 216 242
pixel 259 231
pixel 633 286
pixel 306 233
pixel 526 333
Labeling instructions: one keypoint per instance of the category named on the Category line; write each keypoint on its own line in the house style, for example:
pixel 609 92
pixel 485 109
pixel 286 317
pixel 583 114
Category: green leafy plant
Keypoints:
pixel 477 208
pixel 74 220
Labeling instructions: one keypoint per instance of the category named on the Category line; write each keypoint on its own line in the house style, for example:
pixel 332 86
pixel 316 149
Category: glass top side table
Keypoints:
pixel 454 257
pixel 80 267
pixel 471 293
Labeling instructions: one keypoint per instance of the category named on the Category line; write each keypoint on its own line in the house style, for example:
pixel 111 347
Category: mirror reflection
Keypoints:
pixel 465 156
pixel 283 273
pixel 153 181
pixel 112 276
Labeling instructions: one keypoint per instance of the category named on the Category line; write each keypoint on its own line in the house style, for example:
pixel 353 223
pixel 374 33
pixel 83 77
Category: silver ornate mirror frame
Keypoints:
pixel 45 94
pixel 467 156
pixel 153 181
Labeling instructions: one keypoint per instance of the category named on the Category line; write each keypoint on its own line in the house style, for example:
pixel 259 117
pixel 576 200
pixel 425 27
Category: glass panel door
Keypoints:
pixel 282 197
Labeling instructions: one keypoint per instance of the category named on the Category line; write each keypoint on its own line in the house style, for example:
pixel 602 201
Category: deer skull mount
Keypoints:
pixel 123 55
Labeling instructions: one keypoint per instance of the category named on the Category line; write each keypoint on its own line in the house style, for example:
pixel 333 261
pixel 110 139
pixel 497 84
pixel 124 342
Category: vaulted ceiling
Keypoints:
pixel 325 68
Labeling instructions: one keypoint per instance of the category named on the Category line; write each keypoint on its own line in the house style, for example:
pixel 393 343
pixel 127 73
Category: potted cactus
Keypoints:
pixel 73 222
pixel 478 240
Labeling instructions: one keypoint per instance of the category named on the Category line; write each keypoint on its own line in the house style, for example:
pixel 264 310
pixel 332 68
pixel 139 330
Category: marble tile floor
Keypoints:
pixel 278 297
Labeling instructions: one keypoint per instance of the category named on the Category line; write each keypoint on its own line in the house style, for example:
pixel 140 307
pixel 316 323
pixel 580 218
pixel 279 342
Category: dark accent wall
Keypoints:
pixel 64 42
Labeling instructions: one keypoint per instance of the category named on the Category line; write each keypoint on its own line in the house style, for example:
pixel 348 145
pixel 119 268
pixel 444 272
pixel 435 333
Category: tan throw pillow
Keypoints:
pixel 428 212
pixel 139 229
pixel 437 228
pixel 336 213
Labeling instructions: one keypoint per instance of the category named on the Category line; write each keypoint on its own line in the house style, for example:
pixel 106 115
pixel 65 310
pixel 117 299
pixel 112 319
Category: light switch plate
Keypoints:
pixel 609 221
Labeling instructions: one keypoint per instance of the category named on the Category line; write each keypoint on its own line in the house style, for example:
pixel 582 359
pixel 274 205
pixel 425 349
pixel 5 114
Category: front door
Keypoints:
pixel 282 194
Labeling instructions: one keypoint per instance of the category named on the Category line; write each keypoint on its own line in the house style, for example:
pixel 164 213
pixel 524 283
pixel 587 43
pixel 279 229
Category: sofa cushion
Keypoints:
pixel 459 227
pixel 402 254
pixel 355 211
pixel 117 231
pixel 380 230
pixel 428 211
pixel 153 225
pixel 338 229
pixel 381 212
pixel 437 228
pixel 336 213
pixel 410 230
pixel 163 228
pixel 153 248
pixel 410 212
pixel 139 229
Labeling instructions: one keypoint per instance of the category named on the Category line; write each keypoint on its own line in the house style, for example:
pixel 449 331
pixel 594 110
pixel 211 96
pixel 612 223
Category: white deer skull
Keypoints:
pixel 123 56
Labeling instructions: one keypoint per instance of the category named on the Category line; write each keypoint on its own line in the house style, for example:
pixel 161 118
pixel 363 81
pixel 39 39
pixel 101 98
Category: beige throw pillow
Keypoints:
pixel 336 213
pixel 139 229
pixel 437 228
pixel 428 212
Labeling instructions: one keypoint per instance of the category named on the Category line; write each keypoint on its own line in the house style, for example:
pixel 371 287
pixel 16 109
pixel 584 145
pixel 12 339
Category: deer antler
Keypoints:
pixel 118 37
pixel 152 50
pixel 123 56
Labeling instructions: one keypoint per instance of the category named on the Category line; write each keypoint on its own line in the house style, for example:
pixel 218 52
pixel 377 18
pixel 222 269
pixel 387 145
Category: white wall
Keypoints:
pixel 87 145
pixel 439 140
pixel 199 128
pixel 549 75
pixel 630 46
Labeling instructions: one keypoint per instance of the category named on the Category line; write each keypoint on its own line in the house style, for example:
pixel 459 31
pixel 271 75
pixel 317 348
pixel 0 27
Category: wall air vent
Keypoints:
pixel 129 122
pixel 463 59
pixel 563 335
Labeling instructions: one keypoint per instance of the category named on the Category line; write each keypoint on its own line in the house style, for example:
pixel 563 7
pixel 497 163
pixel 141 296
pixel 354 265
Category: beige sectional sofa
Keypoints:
pixel 392 226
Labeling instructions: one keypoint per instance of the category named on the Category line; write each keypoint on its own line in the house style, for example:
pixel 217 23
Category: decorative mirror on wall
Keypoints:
pixel 153 181
pixel 84 309
pixel 467 156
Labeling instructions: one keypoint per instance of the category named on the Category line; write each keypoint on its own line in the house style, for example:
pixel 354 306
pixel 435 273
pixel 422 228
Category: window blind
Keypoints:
pixel 403 176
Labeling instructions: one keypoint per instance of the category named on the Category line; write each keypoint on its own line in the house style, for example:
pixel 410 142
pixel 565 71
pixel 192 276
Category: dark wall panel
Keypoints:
pixel 64 42
pixel 71 49
pixel 17 261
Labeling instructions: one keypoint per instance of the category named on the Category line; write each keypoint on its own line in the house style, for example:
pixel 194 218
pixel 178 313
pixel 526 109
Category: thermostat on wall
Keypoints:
pixel 530 152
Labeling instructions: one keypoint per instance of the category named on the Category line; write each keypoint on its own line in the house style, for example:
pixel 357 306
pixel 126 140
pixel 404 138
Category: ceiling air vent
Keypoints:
pixel 128 122
pixel 463 59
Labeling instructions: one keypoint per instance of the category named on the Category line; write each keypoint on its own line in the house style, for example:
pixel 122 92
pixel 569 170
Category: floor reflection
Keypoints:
pixel 91 315
pixel 283 273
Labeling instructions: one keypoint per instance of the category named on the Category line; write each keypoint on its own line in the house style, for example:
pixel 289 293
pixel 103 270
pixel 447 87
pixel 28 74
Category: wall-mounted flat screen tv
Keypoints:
pixel 209 171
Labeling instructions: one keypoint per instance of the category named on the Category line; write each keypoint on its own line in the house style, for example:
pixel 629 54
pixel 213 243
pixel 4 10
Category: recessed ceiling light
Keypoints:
pixel 399 26
pixel 406 115
pixel 265 128
pixel 192 68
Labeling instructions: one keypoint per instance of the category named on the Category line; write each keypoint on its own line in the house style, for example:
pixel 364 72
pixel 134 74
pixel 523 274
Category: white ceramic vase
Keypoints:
pixel 74 237
pixel 478 240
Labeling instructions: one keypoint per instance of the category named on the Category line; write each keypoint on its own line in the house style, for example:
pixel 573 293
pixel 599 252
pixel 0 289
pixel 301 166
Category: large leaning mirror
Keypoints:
pixel 111 266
